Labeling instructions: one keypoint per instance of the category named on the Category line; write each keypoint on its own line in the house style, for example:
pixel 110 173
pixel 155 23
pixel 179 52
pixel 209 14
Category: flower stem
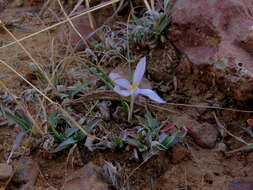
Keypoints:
pixel 130 113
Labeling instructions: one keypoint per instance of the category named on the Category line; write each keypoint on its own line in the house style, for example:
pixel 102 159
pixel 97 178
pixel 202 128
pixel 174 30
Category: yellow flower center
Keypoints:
pixel 134 86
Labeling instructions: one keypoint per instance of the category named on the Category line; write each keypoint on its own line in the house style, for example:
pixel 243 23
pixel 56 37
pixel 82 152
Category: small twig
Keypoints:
pixel 45 180
pixel 45 6
pixel 107 20
pixel 202 106
pixel 240 149
pixel 232 135
pixel 76 7
pixel 92 25
pixel 71 151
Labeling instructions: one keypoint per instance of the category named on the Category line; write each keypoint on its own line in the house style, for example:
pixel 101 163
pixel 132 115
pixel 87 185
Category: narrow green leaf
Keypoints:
pixel 70 131
pixel 65 144
pixel 52 119
pixel 151 121
pixel 165 141
pixel 21 123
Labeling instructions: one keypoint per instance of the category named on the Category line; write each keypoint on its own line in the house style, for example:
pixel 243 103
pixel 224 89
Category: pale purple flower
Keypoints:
pixel 125 88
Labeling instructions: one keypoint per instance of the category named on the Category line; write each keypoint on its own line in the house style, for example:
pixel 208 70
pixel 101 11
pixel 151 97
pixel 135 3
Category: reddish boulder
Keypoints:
pixel 217 36
pixel 205 135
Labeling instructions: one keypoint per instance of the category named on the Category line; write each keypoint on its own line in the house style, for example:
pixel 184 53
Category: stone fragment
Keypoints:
pixel 205 135
pixel 87 178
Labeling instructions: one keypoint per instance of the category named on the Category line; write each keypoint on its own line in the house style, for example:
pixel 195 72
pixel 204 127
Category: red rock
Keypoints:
pixel 204 135
pixel 86 178
pixel 217 36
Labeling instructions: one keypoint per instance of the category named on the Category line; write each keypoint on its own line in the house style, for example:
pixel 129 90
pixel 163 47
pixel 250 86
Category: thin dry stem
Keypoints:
pixel 147 4
pixel 162 106
pixel 23 78
pixel 72 25
pixel 28 53
pixel 43 109
pixel 91 20
pixel 71 152
pixel 51 101
pixel 22 107
pixel 76 7
pixel 228 132
pixel 102 5
pixel 152 2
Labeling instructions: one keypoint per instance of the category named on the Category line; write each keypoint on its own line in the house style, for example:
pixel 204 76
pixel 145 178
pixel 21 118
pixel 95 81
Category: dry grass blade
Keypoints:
pixel 2 85
pixel 164 106
pixel 72 25
pixel 71 152
pixel 102 5
pixel 51 101
pixel 76 7
pixel 92 25
pixel 23 78
pixel 27 52
pixel 152 2
pixel 228 132
pixel 46 4
pixel 147 4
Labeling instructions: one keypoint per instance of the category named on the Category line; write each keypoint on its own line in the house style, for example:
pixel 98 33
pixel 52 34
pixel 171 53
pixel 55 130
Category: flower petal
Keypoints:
pixel 122 92
pixel 123 83
pixel 114 76
pixel 151 94
pixel 139 71
pixel 118 80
